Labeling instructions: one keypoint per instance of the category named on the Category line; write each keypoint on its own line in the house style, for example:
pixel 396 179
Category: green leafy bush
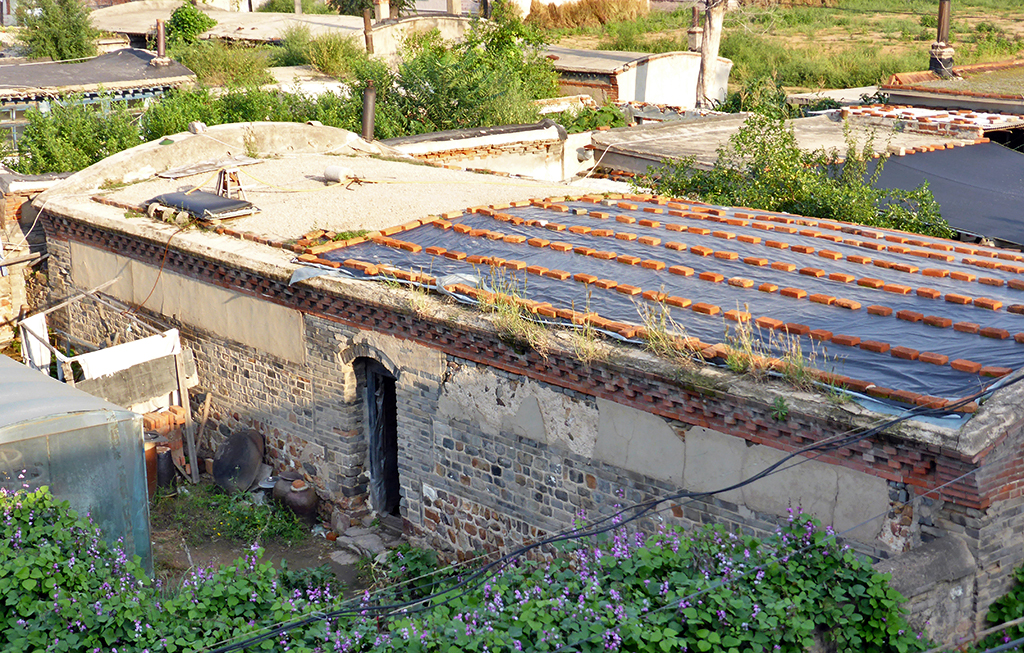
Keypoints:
pixel 763 167
pixel 73 135
pixel 1008 608
pixel 216 63
pixel 58 29
pixel 187 23
pixel 288 7
pixel 357 7
pixel 334 54
pixel 590 119
pixel 294 47
pixel 64 589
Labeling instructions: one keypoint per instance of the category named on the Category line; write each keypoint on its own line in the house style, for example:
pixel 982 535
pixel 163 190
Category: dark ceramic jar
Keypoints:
pixel 284 484
pixel 302 500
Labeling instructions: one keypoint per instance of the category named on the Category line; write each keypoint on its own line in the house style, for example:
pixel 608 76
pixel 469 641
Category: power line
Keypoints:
pixel 470 583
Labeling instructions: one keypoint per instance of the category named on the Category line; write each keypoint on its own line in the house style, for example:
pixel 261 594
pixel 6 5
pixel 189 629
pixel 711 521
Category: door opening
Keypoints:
pixel 382 427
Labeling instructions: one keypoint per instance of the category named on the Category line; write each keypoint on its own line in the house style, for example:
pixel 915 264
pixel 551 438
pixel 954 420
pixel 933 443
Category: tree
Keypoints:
pixel 58 29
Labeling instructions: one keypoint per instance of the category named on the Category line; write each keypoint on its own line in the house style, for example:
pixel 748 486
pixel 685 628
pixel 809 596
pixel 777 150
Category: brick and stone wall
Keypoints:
pixel 498 446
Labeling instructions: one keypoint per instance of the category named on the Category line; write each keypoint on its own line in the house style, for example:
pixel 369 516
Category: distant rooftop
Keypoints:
pixel 993 87
pixel 116 71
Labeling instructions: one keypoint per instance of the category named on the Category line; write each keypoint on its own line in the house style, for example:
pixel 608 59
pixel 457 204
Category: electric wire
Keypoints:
pixel 643 508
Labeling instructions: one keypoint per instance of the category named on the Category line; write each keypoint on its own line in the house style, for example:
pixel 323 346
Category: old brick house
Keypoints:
pixel 483 430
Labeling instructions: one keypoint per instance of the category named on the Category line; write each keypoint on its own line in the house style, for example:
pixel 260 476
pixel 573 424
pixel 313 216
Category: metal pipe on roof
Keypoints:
pixel 369 107
pixel 943 31
pixel 161 39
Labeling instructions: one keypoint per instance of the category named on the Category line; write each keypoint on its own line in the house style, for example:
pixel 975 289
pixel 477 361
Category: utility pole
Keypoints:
pixel 714 16
pixel 940 60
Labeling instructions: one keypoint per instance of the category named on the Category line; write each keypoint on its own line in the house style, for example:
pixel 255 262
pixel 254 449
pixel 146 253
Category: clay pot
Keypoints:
pixel 284 484
pixel 302 500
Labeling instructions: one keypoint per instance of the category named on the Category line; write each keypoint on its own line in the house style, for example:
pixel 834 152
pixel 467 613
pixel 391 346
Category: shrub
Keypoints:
pixel 187 23
pixel 216 63
pixel 288 7
pixel 175 110
pixel 357 7
pixel 590 119
pixel 58 29
pixel 294 48
pixel 762 167
pixel 334 54
pixel 74 135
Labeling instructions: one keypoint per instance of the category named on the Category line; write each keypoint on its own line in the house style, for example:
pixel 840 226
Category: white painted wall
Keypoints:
pixel 671 79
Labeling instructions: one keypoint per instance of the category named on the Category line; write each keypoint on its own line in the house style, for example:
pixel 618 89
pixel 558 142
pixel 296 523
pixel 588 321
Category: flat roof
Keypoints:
pixel 904 317
pixel 636 148
pixel 996 85
pixel 605 61
pixel 123 69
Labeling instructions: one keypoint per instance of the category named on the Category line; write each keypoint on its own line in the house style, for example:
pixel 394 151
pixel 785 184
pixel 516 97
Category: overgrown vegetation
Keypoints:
pixel 1008 608
pixel 763 167
pixel 187 23
pixel 204 512
pixel 217 63
pixel 357 7
pixel 65 590
pixel 74 135
pixel 586 120
pixel 847 44
pixel 288 7
pixel 58 29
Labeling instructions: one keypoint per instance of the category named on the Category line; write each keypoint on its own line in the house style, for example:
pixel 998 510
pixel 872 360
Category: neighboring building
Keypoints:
pixel 669 78
pixel 126 75
pixel 482 430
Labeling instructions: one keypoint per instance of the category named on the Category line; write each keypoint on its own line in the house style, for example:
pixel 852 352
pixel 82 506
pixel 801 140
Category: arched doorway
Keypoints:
pixel 382 435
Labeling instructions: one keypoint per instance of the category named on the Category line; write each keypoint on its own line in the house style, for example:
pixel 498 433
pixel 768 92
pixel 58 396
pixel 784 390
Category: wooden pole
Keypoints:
pixel 190 440
pixel 368 30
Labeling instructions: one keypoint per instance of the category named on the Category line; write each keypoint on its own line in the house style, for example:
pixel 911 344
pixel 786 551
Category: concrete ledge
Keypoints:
pixel 942 560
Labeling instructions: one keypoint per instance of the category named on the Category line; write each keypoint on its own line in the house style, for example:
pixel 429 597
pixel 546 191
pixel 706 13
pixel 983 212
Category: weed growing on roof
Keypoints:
pixel 66 590
pixel 780 409
pixel 584 338
pixel 511 317
pixel 663 335
pixel 58 29
pixel 219 63
pixel 763 167
pixel 187 23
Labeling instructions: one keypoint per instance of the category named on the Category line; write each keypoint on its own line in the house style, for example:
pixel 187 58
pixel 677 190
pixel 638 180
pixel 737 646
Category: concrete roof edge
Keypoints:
pixel 268 138
pixel 996 416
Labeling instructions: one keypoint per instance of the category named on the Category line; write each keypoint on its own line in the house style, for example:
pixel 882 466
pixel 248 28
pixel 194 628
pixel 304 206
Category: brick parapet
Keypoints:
pixel 924 466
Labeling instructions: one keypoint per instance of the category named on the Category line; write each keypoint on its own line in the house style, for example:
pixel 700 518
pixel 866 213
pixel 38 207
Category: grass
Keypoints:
pixel 332 54
pixel 204 512
pixel 754 354
pixel 216 63
pixel 288 7
pixel 849 43
pixel 665 338
pixel 515 328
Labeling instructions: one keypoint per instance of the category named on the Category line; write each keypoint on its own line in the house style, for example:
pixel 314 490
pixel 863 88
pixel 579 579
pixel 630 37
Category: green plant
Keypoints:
pixel 780 409
pixel 507 306
pixel 205 512
pixel 321 577
pixel 590 119
pixel 334 54
pixel 294 48
pixel 763 167
pixel 58 29
pixel 187 23
pixel 73 135
pixel 288 7
pixel 217 63
pixel 664 337
pixel 357 7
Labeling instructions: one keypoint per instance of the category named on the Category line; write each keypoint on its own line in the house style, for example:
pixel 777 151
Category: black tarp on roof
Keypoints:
pixel 980 188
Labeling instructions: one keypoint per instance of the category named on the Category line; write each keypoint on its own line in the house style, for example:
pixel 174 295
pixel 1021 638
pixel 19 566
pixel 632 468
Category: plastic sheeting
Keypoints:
pixel 980 188
pixel 882 369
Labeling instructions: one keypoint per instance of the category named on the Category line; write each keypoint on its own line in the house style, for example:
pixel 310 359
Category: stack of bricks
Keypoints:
pixel 169 424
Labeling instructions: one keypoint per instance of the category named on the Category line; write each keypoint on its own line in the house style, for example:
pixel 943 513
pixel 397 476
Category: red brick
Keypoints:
pixel 728 256
pixel 700 250
pixel 995 371
pixel 848 304
pixel 883 311
pixel 875 346
pixel 802 249
pixel 784 267
pixel 606 284
pixel 869 282
pixel 1017 309
pixel 737 316
pixel 628 260
pixel 627 289
pixel 990 281
pixel 962 276
pixel 536 269
pixel 963 365
pixel 990 304
pixel 584 278
pixel 936 321
pixel 817 273
pixel 855 258
pixel 561 275
pixel 845 341
pixel 897 289
pixel 909 316
pixel 933 358
pixel 821 334
pixel 560 247
pixel 604 255
pixel 678 302
pixel 652 264
pixel 993 332
pixel 966 327
pixel 842 277
pixel 681 270
pixel 768 323
pixel 625 236
pixel 740 282
pixel 1016 284
pixel 935 272
pixel 706 309
pixel 713 277
pixel 958 299
pixel 820 298
pixel 767 287
pixel 795 293
pixel 602 233
pixel 753 240
pixel 928 293
pixel 700 231
pixel 906 353
pixel 793 328
pixel 776 244
pixel 649 240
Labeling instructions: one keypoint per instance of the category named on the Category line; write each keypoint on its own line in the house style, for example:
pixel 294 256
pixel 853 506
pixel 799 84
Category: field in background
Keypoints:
pixel 852 43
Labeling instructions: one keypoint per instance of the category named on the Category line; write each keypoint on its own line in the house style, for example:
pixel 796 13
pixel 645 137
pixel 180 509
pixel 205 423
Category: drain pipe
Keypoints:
pixel 369 106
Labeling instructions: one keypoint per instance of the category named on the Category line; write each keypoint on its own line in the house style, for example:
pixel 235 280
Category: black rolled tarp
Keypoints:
pixel 979 187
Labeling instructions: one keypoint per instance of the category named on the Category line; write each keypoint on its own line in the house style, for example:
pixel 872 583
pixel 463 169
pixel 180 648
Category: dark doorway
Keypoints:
pixel 382 426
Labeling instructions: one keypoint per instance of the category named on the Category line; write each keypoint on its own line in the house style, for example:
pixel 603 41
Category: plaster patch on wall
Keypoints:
pixel 525 408
pixel 405 354
pixel 640 442
pixel 228 314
